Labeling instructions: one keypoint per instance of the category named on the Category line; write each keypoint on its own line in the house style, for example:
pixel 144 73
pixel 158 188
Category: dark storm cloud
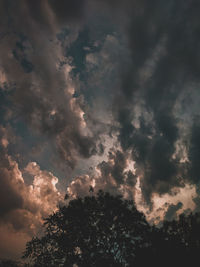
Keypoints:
pixel 194 152
pixel 41 12
pixel 164 42
pixel 152 149
pixel 162 62
pixel 9 198
pixel 66 10
pixel 41 74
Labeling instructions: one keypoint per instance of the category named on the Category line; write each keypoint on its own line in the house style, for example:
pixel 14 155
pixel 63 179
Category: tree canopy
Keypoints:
pixel 105 230
pixel 91 231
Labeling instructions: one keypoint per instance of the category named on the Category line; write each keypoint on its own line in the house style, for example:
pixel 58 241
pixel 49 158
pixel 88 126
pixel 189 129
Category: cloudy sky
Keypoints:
pixel 101 93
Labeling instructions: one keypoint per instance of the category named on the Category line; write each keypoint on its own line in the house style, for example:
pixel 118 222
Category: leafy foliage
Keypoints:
pixel 91 232
pixel 106 230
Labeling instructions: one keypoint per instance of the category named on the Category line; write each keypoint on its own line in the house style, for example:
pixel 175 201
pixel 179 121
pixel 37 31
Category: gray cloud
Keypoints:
pixel 67 10
pixel 164 43
pixel 23 206
pixel 194 152
pixel 41 74
pixel 113 175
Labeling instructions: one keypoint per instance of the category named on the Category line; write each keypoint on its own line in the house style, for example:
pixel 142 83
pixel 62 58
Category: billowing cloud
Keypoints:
pixel 24 206
pixel 42 91
pixel 114 175
pixel 165 62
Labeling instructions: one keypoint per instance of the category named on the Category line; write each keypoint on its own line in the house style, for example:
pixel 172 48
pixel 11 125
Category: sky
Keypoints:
pixel 101 93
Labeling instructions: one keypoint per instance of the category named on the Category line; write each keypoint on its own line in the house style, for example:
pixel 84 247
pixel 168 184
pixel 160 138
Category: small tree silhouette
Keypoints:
pixel 101 230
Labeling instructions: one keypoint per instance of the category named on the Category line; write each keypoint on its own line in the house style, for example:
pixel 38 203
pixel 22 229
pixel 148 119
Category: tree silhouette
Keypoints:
pixel 178 241
pixel 106 230
pixel 101 230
